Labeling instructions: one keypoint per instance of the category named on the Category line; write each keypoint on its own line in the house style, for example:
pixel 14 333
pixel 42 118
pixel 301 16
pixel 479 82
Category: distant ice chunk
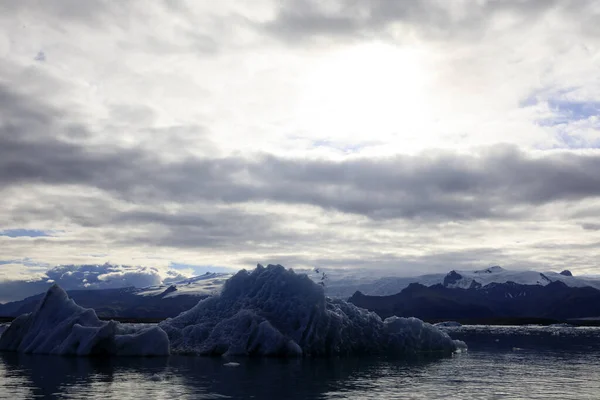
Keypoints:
pixel 561 325
pixel 275 312
pixel 231 364
pixel 460 346
pixel 59 326
pixel 157 378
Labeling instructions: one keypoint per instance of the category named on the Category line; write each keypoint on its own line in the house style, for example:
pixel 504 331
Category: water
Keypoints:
pixel 502 363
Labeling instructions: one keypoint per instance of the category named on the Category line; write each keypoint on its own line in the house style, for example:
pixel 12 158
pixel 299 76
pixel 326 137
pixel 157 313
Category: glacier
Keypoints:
pixel 59 326
pixel 204 285
pixel 272 311
pixel 343 283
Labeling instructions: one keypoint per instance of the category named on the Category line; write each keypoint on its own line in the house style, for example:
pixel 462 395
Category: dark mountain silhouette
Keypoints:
pixel 115 303
pixel 496 300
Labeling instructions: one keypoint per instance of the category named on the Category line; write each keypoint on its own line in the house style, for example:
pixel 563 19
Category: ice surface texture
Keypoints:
pixel 275 312
pixel 59 326
pixel 3 327
pixel 447 324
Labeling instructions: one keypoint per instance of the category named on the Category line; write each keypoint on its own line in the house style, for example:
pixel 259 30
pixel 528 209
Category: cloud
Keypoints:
pixel 406 134
pixel 355 20
pixel 496 182
pixel 77 277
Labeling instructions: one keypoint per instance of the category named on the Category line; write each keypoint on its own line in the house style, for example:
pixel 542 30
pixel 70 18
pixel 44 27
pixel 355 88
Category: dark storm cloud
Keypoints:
pixel 34 146
pixel 304 19
pixel 497 183
pixel 211 228
pixel 438 186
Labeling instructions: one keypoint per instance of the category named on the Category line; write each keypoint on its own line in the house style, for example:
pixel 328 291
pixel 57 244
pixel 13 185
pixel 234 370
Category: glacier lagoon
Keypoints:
pixel 413 359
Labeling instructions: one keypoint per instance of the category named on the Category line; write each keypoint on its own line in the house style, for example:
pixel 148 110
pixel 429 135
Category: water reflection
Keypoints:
pixel 52 375
pixel 27 376
pixel 524 363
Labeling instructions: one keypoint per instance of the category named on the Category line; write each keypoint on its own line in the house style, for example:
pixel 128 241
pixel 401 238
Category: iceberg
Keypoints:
pixel 275 312
pixel 59 326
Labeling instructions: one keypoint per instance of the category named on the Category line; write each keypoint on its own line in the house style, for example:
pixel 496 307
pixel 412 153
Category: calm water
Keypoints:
pixel 503 363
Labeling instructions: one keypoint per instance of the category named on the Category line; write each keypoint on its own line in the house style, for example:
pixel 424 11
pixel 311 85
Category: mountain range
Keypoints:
pixel 492 292
pixel 153 302
pixel 344 283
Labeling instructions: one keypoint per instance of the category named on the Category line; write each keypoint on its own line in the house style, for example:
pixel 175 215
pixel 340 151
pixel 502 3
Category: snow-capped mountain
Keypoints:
pixel 153 302
pixel 496 274
pixel 344 285
pixel 493 292
pixel 204 285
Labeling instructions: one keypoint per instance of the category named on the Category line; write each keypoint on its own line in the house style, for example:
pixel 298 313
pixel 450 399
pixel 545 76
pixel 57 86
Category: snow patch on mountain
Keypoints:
pixel 344 284
pixel 204 285
pixel 496 274
pixel 275 312
pixel 470 279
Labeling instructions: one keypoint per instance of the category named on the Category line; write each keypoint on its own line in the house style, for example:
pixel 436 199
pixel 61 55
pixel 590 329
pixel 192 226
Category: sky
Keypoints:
pixel 411 137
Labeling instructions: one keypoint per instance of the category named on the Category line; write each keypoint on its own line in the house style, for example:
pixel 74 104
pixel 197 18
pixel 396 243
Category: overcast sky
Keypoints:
pixel 413 136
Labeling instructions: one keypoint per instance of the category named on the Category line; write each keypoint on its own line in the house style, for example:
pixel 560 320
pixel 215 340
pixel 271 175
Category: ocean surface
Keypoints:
pixel 502 363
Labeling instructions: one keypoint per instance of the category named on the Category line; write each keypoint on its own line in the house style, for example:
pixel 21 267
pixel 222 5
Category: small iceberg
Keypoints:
pixel 561 325
pixel 59 326
pixel 231 364
pixel 275 312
